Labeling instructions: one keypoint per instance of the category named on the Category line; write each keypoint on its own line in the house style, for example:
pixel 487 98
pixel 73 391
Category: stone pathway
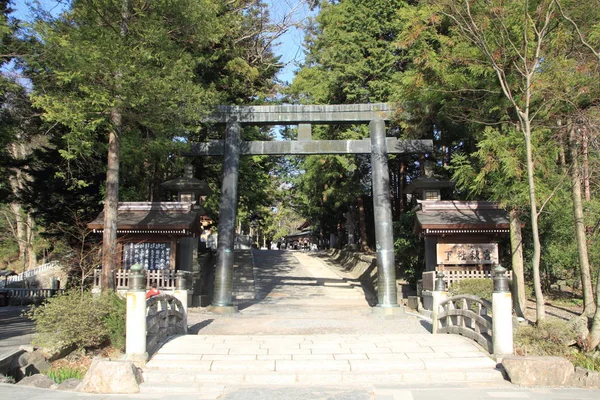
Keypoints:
pixel 299 294
pixel 309 326
pixel 15 330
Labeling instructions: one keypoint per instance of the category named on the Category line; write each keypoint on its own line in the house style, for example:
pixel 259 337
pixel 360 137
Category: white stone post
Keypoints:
pixel 135 325
pixel 502 326
pixel 439 295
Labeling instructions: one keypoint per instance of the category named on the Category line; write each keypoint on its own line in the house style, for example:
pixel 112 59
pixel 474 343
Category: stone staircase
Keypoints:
pixel 243 276
pixel 207 363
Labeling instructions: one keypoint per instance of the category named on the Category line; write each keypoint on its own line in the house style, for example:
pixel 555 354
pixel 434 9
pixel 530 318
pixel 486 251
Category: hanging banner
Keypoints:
pixel 467 253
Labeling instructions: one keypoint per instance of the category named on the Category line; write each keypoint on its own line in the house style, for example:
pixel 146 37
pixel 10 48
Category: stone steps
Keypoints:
pixel 189 363
pixel 243 276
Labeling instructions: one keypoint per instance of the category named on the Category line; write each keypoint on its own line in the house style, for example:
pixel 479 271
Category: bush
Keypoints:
pixel 115 320
pixel 79 319
pixel 479 287
pixel 549 338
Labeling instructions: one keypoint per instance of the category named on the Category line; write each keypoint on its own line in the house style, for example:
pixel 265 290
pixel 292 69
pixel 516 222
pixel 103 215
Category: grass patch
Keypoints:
pixel 59 375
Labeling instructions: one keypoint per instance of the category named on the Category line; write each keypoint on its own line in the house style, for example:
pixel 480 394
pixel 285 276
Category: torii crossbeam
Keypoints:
pixel 378 146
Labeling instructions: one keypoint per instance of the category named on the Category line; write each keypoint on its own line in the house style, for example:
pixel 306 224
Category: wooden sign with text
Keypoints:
pixel 467 253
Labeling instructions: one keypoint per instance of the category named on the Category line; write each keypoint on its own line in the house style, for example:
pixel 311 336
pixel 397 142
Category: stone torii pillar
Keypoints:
pixel 387 296
pixel 223 296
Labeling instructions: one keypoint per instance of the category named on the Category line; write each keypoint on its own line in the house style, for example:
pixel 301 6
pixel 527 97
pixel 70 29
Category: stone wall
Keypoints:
pixel 359 266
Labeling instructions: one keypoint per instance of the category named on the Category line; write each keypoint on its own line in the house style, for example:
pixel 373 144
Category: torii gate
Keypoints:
pixel 233 117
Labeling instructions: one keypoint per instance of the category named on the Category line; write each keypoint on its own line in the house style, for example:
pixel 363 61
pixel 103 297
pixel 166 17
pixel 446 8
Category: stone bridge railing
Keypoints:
pixel 150 322
pixel 487 323
pixel 21 296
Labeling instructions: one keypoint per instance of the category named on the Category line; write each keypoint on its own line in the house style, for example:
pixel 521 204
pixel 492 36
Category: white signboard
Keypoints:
pixel 467 253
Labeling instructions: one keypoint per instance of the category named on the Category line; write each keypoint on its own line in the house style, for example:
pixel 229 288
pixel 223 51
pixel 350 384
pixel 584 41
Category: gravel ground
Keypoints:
pixel 299 294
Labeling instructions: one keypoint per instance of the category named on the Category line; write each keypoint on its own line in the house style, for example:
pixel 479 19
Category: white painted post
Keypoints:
pixel 439 295
pixel 502 326
pixel 135 325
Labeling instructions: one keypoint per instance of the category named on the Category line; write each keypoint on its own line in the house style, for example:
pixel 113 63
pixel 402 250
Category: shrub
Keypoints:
pixel 59 375
pixel 115 320
pixel 78 319
pixel 478 287
pixel 549 338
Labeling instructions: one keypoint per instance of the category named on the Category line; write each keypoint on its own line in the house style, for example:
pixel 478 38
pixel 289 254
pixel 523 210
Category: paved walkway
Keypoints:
pixel 14 330
pixel 299 294
pixel 310 326
pixel 379 391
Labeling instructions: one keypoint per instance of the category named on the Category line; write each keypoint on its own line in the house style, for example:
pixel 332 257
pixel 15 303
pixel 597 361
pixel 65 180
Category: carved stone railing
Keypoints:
pixel 27 296
pixel 30 273
pixel 165 316
pixel 469 316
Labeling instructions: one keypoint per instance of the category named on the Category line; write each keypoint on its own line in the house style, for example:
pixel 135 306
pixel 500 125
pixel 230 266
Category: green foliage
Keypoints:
pixel 115 320
pixel 478 287
pixel 408 248
pixel 550 338
pixel 587 361
pixel 59 375
pixel 79 319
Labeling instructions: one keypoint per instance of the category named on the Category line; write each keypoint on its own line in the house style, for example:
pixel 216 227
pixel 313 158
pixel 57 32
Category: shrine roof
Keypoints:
pixel 462 215
pixel 158 217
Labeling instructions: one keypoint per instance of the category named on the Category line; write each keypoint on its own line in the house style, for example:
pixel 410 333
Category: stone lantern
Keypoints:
pixel 188 188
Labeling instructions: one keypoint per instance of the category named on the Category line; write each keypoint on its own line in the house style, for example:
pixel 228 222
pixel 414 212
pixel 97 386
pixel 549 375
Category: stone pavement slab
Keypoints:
pixel 14 330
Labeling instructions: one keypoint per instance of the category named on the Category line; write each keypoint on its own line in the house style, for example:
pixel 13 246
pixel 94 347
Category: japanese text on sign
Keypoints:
pixel 465 253
pixel 151 256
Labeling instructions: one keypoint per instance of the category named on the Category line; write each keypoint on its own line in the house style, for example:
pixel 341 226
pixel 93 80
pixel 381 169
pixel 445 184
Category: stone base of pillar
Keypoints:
pixel 223 309
pixel 394 310
pixel 139 360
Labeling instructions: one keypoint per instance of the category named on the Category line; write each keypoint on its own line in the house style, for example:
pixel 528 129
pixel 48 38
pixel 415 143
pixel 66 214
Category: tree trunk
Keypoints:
pixel 109 236
pixel 22 232
pixel 582 251
pixel 594 336
pixel 537 286
pixel 30 232
pixel 401 185
pixel 518 282
pixel 362 221
pixel 586 165
pixel 19 231
pixel 111 203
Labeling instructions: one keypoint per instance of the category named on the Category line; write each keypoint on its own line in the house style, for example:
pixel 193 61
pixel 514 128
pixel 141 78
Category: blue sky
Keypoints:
pixel 289 47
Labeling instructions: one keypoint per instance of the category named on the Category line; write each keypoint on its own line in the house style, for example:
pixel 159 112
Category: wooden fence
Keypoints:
pixel 165 279
pixel 458 274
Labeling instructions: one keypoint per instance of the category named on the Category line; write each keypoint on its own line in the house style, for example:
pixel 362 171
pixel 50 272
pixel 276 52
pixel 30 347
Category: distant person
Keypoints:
pixel 211 240
pixel 152 292
pixel 279 244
